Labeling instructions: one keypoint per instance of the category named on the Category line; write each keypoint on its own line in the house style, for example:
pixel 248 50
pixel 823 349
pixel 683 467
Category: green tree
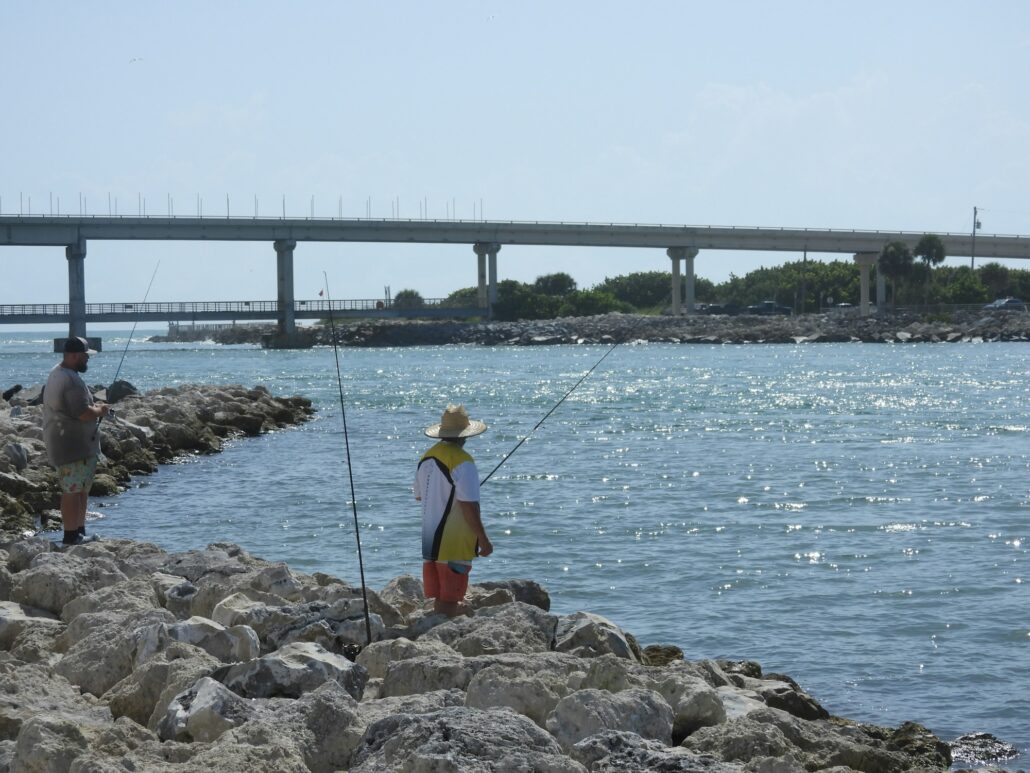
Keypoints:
pixel 641 289
pixel 584 303
pixel 895 263
pixel 466 297
pixel 408 299
pixel 930 250
pixel 555 284
pixel 996 278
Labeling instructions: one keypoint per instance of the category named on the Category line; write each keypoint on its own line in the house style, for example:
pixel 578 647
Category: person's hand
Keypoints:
pixel 485 547
pixel 104 409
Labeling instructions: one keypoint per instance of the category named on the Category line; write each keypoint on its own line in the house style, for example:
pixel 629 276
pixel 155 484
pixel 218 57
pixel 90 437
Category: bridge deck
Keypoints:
pixel 42 230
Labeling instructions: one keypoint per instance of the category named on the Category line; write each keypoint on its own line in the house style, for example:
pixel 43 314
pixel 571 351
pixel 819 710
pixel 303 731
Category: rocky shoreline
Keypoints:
pixel 116 655
pixel 839 326
pixel 146 430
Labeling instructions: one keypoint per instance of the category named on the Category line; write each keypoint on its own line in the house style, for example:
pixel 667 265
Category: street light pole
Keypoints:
pixel 972 249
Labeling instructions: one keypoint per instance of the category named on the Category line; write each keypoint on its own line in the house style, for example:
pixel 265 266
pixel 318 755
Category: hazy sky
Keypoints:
pixel 878 115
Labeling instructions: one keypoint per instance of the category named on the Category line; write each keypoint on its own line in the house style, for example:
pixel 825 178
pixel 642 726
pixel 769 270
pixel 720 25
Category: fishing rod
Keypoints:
pixel 129 341
pixel 507 456
pixel 350 471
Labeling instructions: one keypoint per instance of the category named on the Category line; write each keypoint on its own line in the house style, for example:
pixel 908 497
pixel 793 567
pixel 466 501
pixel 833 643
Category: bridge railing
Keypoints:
pixel 221 307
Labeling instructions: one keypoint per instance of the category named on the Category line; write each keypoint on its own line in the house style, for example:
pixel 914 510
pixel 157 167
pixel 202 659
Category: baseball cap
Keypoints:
pixel 77 344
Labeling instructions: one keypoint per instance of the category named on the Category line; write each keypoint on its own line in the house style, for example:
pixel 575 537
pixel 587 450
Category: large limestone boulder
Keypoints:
pixel 525 591
pixel 54 579
pixel 509 628
pixel 377 656
pixel 17 619
pixel 215 561
pixel 294 670
pixel 815 744
pixel 533 693
pixel 230 645
pixel 104 653
pixel 586 712
pixel 615 751
pixel 21 552
pixel 460 739
pixel 404 593
pixel 135 595
pixel 28 690
pixel 694 703
pixel 427 673
pixel 144 694
pixel 587 635
pixel 203 712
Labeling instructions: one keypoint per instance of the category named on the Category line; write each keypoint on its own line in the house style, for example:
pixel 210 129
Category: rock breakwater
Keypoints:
pixel 834 327
pixel 146 430
pixel 116 655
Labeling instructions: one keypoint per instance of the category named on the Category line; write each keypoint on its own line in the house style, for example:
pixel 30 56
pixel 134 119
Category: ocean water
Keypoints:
pixel 856 516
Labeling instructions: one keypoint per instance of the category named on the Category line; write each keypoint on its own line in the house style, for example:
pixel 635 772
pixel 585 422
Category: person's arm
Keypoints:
pixel 94 412
pixel 470 511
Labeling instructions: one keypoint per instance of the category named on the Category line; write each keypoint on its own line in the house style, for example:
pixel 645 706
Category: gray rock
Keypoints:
pixel 136 595
pixel 694 703
pixel 144 694
pixel 377 656
pixel 533 693
pixel 16 620
pixel 527 591
pixel 510 628
pixel 54 579
pixel 615 751
pixel 981 749
pixel 20 553
pixel 293 670
pixel 587 635
pixel 460 739
pixel 29 690
pixel 18 455
pixel 101 648
pixel 404 593
pixel 203 713
pixel 230 645
pixel 586 712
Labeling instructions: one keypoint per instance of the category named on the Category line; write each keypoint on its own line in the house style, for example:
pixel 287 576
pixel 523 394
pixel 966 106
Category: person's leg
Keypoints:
pixel 81 519
pixel 70 512
pixel 454 583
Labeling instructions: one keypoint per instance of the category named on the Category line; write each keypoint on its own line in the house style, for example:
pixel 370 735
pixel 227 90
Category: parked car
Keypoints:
pixel 721 308
pixel 1006 304
pixel 769 307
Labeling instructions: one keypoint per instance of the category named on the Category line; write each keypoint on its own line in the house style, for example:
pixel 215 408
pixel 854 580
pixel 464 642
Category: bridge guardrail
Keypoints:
pixel 208 307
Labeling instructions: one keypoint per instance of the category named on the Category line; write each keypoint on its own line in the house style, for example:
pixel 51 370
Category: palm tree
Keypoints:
pixel 930 250
pixel 896 263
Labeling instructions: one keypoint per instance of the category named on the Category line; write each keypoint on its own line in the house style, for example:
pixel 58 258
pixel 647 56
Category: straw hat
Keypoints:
pixel 455 423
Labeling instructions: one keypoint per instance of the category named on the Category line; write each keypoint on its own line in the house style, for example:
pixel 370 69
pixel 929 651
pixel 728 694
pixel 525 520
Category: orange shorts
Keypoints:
pixel 444 583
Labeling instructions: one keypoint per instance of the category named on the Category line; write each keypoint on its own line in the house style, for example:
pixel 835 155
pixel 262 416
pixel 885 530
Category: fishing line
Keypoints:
pixel 129 341
pixel 574 386
pixel 350 471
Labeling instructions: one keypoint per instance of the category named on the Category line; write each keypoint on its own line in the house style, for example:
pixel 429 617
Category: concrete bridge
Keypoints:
pixel 680 243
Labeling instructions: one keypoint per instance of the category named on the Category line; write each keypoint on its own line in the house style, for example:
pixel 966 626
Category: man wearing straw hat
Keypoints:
pixel 447 485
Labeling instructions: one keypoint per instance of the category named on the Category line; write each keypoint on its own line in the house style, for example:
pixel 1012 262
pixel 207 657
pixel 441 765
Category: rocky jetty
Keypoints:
pixel 117 655
pixel 146 430
pixel 834 327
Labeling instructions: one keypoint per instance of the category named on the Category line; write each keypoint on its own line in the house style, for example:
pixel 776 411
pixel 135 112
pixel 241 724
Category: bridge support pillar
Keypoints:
pixel 881 292
pixel 686 254
pixel 284 275
pixel 486 255
pixel 865 261
pixel 76 254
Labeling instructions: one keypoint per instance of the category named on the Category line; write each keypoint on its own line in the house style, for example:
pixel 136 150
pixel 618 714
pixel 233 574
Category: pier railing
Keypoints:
pixel 187 311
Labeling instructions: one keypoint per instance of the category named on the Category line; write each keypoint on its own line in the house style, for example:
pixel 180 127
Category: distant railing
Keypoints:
pixel 490 223
pixel 222 307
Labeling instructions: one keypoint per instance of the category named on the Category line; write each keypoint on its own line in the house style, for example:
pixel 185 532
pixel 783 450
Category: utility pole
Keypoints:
pixel 972 249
